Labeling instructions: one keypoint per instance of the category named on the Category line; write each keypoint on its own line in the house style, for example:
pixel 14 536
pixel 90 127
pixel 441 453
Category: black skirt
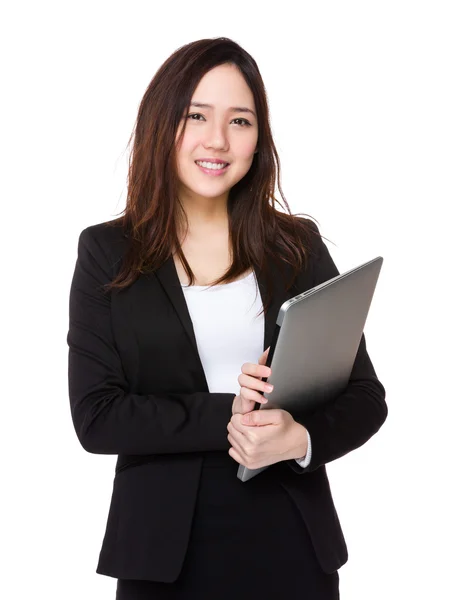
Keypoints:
pixel 248 540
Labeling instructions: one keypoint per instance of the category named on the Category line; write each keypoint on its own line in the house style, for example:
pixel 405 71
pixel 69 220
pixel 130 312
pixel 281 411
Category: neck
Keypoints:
pixel 204 213
pixel 201 221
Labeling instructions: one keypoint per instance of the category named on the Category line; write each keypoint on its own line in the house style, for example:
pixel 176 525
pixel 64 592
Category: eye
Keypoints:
pixel 245 122
pixel 195 115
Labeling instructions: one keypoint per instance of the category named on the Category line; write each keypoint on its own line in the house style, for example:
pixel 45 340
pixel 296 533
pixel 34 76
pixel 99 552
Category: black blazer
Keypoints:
pixel 137 389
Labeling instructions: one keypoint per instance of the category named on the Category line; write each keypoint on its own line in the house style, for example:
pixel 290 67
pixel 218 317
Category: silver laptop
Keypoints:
pixel 315 342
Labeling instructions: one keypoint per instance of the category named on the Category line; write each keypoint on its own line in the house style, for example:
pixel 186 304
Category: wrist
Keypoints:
pixel 300 442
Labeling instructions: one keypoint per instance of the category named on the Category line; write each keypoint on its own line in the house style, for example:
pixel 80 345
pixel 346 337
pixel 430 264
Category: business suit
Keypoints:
pixel 137 389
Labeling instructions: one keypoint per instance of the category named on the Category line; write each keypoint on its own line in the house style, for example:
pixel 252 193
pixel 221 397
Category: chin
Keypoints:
pixel 208 189
pixel 209 193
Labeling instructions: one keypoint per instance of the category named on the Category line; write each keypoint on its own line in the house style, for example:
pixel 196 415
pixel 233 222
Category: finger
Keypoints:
pixel 246 405
pixel 253 383
pixel 263 358
pixel 237 425
pixel 235 441
pixel 240 449
pixel 242 405
pixel 235 434
pixel 252 396
pixel 257 418
pixel 235 455
pixel 246 458
pixel 256 370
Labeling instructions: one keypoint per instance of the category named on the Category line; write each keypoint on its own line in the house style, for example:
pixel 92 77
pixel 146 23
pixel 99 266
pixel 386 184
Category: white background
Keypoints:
pixel 360 98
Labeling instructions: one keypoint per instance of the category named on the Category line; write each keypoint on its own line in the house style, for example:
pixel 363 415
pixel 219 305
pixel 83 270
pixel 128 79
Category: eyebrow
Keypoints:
pixel 235 109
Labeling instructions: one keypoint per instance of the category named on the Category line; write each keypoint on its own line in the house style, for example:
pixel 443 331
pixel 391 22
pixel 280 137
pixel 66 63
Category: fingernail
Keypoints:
pixel 268 387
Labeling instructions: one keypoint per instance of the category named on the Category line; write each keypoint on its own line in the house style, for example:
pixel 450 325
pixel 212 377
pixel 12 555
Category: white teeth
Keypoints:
pixel 209 165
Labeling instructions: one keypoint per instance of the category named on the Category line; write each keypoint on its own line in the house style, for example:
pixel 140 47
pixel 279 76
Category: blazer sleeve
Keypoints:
pixel 356 414
pixel 109 418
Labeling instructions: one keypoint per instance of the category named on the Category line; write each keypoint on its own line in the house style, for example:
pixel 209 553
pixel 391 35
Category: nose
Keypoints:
pixel 216 137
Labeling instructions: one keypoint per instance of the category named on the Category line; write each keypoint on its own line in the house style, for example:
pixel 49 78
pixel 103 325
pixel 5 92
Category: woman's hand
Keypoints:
pixel 263 437
pixel 251 380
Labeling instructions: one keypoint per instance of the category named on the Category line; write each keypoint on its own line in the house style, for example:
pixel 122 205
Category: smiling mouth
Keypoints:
pixel 212 166
pixel 213 170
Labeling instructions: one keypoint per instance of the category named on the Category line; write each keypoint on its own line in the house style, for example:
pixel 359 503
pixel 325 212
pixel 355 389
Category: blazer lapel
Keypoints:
pixel 169 279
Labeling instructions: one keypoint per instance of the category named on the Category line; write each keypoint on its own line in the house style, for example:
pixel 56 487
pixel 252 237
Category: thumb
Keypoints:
pixel 263 358
pixel 261 417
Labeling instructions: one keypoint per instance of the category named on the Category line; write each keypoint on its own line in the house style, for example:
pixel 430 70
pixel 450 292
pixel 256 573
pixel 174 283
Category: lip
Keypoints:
pixel 212 160
pixel 214 172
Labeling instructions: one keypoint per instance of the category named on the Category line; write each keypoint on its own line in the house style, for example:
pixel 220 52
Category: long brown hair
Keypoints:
pixel 257 229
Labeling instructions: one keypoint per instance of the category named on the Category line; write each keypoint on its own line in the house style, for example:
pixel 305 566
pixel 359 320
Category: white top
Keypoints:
pixel 228 332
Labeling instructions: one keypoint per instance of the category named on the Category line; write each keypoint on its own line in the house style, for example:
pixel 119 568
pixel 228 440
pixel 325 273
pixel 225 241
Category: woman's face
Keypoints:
pixel 225 130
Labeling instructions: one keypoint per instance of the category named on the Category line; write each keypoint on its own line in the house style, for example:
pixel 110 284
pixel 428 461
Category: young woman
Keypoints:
pixel 171 308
